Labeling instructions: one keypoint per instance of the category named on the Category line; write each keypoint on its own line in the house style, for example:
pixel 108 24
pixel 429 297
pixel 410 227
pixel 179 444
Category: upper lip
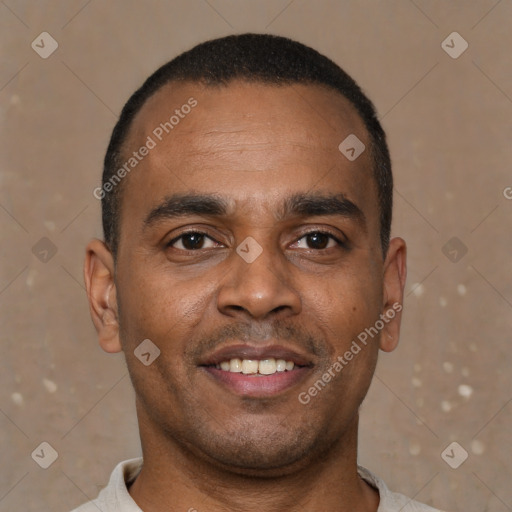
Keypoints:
pixel 245 351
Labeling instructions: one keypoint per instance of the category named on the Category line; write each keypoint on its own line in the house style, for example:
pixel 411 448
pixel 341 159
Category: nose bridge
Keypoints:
pixel 258 281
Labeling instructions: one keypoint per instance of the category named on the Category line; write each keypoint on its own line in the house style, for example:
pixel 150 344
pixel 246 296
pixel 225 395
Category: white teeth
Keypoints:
pixel 235 365
pixel 253 366
pixel 281 365
pixel 267 366
pixel 249 366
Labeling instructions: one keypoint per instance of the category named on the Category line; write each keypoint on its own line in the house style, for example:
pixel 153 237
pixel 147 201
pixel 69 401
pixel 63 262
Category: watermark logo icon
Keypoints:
pixel 44 45
pixel 351 147
pixel 44 250
pixel 146 352
pixel 249 249
pixel 454 45
pixel 45 455
pixel 454 249
pixel 454 455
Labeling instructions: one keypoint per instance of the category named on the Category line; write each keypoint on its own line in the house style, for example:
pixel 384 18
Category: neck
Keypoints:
pixel 173 478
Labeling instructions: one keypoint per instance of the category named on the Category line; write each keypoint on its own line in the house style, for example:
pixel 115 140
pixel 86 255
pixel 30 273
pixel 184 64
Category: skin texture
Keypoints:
pixel 253 145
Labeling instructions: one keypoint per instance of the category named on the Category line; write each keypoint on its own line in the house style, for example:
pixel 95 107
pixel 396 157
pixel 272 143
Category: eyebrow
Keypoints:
pixel 298 205
pixel 310 205
pixel 180 205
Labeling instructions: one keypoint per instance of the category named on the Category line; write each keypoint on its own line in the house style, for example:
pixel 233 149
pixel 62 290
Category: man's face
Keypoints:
pixel 284 262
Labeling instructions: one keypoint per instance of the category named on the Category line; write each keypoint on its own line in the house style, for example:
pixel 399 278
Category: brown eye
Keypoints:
pixel 191 241
pixel 317 240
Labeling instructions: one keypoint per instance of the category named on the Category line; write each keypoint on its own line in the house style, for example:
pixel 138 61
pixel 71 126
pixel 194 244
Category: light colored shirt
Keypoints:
pixel 116 498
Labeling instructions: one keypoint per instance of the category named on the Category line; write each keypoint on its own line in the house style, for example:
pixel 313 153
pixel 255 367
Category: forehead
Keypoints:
pixel 249 142
pixel 316 114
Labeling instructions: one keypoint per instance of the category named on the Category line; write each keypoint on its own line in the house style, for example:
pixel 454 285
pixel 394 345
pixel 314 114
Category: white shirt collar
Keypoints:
pixel 116 498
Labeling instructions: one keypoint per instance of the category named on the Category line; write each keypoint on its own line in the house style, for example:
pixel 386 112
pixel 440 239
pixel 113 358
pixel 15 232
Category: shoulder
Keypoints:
pixel 115 494
pixel 392 501
pixel 88 507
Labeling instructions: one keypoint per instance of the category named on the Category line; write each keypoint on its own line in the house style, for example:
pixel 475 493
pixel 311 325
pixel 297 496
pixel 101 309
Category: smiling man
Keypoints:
pixel 248 275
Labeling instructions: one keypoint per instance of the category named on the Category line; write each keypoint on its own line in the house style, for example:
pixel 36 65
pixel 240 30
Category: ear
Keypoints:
pixel 101 292
pixel 395 273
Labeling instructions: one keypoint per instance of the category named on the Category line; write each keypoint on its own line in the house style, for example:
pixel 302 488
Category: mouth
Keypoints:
pixel 257 371
pixel 255 368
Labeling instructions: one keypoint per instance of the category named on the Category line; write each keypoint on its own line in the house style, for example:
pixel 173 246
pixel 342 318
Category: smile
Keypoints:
pixel 255 367
pixel 257 372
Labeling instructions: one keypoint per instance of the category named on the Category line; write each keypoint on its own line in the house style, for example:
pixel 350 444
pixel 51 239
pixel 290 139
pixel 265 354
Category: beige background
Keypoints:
pixel 449 126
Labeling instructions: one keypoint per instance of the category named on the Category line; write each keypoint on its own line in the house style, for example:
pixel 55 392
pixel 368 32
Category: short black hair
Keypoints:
pixel 259 58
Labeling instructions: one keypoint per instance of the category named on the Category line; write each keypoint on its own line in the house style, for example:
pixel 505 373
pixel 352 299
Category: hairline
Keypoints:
pixel 117 202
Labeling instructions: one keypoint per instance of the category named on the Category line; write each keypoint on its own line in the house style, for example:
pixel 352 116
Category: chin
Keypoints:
pixel 256 463
pixel 256 453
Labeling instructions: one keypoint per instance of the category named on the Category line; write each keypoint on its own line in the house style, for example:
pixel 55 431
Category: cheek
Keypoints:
pixel 347 302
pixel 157 305
pixel 165 310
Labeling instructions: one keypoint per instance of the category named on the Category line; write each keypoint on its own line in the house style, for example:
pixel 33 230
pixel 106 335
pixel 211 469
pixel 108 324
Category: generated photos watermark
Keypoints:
pixel 152 141
pixel 362 339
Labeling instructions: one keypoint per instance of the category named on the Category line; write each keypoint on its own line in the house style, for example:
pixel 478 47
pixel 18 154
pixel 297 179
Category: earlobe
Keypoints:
pixel 395 273
pixel 101 292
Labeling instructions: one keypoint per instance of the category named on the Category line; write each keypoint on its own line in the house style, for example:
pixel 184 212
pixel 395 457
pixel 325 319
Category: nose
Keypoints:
pixel 258 288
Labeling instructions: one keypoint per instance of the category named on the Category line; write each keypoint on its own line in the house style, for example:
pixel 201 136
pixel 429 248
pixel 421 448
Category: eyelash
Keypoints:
pixel 339 242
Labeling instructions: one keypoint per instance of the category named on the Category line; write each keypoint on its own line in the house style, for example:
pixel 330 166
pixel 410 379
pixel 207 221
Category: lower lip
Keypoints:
pixel 255 386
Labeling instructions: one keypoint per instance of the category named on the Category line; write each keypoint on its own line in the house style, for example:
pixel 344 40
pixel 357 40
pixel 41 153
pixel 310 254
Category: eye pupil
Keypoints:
pixel 318 240
pixel 193 241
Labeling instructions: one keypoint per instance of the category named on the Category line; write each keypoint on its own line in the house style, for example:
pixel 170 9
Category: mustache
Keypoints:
pixel 275 331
